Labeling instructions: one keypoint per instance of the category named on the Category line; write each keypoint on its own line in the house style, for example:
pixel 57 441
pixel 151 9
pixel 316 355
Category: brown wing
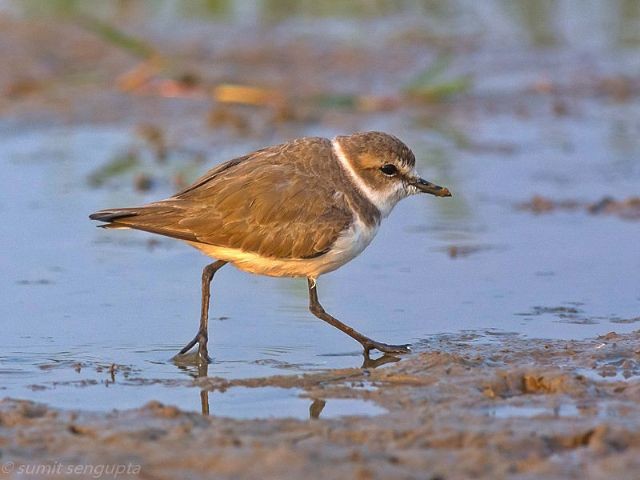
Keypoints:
pixel 272 202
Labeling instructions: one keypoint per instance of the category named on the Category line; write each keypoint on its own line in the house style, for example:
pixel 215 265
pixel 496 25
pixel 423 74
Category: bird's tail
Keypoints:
pixel 162 218
pixel 115 218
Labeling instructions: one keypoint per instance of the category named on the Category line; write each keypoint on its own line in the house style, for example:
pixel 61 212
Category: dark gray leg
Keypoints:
pixel 366 342
pixel 202 336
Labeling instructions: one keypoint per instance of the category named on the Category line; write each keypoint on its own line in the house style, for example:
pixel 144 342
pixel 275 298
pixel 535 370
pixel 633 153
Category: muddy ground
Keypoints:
pixel 464 409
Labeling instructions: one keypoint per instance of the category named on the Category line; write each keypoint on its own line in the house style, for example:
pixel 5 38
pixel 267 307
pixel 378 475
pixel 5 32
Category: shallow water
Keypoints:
pixel 74 295
pixel 513 411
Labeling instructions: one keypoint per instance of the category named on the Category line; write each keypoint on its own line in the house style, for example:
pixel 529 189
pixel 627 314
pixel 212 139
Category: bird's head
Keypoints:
pixel 384 168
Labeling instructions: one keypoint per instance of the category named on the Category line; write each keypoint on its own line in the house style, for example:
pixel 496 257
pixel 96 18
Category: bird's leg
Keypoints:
pixel 202 336
pixel 367 343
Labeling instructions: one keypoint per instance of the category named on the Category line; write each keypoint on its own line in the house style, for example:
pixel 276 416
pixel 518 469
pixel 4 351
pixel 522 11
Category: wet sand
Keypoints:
pixel 464 409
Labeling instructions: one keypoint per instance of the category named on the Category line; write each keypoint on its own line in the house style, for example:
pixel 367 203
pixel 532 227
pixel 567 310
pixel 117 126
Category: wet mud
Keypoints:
pixel 465 408
pixel 628 208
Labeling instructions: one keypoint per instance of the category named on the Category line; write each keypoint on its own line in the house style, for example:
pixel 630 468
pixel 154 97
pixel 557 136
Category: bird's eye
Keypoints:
pixel 389 169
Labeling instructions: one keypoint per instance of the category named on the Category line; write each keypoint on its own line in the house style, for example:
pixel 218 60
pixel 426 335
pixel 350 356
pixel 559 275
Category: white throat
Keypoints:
pixel 384 200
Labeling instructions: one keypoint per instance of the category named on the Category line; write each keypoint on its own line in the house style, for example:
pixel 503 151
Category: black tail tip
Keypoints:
pixel 103 216
pixel 110 215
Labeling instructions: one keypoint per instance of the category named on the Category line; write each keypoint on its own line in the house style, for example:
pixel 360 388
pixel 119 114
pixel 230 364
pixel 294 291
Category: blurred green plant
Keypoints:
pixel 629 21
pixel 116 37
pixel 92 15
pixel 216 9
pixel 433 84
pixel 537 19
pixel 119 165
pixel 276 10
pixel 337 100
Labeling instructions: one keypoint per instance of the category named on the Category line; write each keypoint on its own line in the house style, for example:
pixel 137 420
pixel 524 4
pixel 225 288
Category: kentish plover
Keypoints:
pixel 300 209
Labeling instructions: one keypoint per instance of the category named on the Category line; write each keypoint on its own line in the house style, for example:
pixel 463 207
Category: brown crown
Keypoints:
pixel 379 144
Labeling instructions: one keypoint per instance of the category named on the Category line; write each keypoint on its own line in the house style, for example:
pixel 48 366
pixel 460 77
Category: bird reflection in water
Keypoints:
pixel 203 370
pixel 317 404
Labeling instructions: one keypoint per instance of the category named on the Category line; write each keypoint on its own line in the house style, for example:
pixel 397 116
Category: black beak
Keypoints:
pixel 428 187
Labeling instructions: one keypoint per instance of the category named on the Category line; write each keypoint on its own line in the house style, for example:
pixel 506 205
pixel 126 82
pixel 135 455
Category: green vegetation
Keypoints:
pixel 433 84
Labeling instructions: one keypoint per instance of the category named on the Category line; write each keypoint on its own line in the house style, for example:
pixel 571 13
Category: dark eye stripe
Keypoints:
pixel 389 169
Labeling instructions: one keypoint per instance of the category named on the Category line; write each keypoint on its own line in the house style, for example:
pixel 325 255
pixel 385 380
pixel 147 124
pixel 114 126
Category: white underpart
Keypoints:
pixel 348 246
pixel 384 200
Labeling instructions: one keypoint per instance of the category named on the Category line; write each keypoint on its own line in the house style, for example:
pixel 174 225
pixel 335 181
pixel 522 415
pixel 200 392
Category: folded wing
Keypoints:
pixel 270 203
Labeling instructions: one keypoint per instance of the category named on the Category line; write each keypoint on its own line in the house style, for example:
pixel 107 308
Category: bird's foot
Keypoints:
pixel 192 358
pixel 385 347
pixel 201 356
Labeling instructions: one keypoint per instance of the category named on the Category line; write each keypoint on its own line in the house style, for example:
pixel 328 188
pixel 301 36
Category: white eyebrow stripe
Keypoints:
pixel 379 199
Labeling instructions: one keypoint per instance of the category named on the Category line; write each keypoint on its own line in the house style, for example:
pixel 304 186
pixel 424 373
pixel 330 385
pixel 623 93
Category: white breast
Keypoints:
pixel 349 245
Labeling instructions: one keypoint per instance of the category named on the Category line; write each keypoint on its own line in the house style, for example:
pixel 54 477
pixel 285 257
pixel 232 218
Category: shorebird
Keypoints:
pixel 300 209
